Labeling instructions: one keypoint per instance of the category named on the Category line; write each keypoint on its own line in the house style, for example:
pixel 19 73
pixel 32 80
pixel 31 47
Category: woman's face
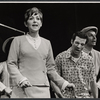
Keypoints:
pixel 34 23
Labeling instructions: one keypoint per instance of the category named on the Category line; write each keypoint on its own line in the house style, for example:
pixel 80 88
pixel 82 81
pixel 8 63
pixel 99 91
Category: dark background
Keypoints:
pixel 60 21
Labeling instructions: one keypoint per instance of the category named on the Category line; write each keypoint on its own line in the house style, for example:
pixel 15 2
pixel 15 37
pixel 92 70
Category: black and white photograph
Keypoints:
pixel 49 49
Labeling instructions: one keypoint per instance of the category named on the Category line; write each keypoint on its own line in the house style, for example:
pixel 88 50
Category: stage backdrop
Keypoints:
pixel 60 21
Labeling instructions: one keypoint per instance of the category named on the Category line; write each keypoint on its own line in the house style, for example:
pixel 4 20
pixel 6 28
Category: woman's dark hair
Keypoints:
pixel 30 12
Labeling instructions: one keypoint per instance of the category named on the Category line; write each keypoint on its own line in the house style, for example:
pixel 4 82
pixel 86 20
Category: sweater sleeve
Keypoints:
pixel 2 86
pixel 5 75
pixel 52 74
pixel 12 61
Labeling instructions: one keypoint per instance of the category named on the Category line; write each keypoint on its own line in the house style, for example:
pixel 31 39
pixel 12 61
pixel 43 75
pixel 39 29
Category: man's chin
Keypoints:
pixel 77 52
pixel 94 44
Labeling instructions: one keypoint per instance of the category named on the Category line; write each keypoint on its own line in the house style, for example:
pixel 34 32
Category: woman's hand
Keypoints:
pixel 25 84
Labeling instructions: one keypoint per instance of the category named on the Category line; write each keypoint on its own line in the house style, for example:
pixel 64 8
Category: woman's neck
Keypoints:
pixel 34 34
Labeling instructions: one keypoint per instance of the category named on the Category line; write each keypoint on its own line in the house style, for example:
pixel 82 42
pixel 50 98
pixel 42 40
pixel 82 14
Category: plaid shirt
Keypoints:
pixel 80 71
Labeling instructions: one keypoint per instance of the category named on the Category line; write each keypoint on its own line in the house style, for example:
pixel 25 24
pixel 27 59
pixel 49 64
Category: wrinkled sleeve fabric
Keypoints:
pixel 91 70
pixel 98 65
pixel 5 75
pixel 58 67
pixel 2 86
pixel 53 75
pixel 58 62
pixel 12 61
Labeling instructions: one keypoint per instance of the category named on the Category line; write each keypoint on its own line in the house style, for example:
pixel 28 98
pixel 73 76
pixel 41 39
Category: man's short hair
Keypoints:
pixel 79 34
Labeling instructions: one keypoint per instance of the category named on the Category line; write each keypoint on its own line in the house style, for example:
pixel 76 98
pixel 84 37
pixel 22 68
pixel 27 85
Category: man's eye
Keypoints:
pixel 82 44
pixel 76 42
pixel 90 35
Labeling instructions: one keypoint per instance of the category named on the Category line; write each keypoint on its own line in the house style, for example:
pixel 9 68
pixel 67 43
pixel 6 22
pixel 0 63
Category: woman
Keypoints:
pixel 30 59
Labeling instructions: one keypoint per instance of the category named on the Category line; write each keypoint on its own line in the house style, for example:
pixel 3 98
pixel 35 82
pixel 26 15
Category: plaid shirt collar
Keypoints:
pixel 68 55
pixel 88 51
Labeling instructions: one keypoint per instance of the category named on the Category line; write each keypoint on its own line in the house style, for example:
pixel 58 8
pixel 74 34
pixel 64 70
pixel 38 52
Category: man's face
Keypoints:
pixel 34 22
pixel 91 38
pixel 78 45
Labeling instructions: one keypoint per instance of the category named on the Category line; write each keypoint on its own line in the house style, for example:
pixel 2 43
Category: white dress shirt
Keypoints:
pixel 35 42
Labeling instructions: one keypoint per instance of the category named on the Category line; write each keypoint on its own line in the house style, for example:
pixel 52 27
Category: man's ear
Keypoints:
pixel 71 41
pixel 25 24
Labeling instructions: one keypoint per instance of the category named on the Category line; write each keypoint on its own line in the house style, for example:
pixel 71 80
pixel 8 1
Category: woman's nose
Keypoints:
pixel 34 21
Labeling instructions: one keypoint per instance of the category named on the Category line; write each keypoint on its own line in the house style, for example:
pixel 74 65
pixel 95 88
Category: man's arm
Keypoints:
pixel 2 86
pixel 98 84
pixel 6 90
pixel 92 78
pixel 94 89
pixel 52 73
pixel 56 90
